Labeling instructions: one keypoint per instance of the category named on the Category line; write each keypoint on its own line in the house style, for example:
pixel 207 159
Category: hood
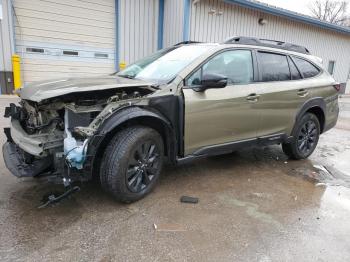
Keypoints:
pixel 39 91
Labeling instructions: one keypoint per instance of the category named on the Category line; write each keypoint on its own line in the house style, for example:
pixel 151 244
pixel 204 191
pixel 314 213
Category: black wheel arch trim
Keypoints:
pixel 131 114
pixel 126 114
pixel 317 102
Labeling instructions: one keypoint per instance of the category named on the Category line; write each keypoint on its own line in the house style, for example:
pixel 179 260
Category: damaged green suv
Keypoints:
pixel 185 102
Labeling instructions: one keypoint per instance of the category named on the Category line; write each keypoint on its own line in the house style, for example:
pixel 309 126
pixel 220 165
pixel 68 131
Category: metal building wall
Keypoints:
pixel 138 29
pixel 173 22
pixel 83 26
pixel 215 20
pixel 6 47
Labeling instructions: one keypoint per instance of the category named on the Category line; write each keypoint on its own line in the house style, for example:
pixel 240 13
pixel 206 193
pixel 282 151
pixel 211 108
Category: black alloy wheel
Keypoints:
pixel 307 137
pixel 142 166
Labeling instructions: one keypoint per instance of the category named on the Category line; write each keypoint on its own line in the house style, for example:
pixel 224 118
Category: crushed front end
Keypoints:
pixel 39 139
pixel 51 138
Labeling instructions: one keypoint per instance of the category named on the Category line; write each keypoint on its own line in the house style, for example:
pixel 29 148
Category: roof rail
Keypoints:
pixel 243 40
pixel 187 43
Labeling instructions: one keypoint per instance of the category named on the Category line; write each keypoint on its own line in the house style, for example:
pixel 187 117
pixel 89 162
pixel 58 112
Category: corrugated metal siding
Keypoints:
pixel 173 22
pixel 138 29
pixel 6 38
pixel 215 20
pixel 85 26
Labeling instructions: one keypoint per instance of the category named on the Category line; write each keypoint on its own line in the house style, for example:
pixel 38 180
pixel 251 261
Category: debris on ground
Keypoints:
pixel 260 195
pixel 188 199
pixel 56 197
pixel 169 227
pixel 320 184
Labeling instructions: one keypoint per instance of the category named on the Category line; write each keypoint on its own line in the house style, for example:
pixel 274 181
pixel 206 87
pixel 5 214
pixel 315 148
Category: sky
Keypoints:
pixel 300 6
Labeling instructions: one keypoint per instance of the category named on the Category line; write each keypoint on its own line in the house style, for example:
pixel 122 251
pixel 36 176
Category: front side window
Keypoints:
pixel 273 67
pixel 306 68
pixel 162 67
pixel 236 65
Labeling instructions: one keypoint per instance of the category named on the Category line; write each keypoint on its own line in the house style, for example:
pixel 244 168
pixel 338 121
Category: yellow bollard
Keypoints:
pixel 122 65
pixel 16 68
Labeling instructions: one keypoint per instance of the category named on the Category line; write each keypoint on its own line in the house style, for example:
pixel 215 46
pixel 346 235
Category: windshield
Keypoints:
pixel 163 65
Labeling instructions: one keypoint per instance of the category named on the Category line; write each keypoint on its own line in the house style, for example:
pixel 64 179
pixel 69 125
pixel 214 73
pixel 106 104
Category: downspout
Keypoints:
pixel 117 34
pixel 186 20
pixel 160 24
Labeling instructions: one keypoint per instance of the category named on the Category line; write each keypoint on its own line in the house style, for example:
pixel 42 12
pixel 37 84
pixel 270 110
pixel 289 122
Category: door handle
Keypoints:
pixel 253 97
pixel 302 92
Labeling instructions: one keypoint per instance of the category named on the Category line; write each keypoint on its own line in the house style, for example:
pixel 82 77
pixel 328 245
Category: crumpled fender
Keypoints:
pixel 124 115
pixel 120 117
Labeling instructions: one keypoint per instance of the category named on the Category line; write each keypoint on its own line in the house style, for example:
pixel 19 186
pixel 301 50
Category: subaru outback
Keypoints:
pixel 185 102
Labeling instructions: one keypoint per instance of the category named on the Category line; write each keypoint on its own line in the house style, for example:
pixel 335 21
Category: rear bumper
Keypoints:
pixel 14 161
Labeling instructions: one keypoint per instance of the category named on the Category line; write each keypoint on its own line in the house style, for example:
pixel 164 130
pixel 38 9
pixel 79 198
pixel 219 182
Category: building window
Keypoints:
pixel 331 65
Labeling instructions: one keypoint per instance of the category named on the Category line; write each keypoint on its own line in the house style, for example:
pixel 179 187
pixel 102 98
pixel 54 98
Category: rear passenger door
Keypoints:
pixel 282 93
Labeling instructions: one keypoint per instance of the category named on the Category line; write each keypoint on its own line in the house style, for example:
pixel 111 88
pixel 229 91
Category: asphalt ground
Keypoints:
pixel 254 205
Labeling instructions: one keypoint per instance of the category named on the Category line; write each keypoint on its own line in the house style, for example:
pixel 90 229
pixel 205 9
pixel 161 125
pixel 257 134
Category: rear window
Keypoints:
pixel 306 68
pixel 274 67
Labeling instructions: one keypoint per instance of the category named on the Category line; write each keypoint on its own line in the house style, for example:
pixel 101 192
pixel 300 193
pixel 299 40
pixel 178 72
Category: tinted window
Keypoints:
pixel 306 68
pixel 293 70
pixel 236 65
pixel 273 67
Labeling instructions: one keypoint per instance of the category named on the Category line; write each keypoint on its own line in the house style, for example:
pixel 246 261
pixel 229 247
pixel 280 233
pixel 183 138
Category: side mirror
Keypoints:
pixel 212 81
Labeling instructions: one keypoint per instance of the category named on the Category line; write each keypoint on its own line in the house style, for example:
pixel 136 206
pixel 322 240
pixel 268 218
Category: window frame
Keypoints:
pixel 291 56
pixel 200 66
pixel 320 70
pixel 290 60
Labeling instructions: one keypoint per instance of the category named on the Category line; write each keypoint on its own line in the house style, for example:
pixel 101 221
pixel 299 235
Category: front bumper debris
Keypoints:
pixel 33 144
pixel 15 162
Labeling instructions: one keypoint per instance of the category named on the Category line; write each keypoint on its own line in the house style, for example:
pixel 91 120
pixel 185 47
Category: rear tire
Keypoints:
pixel 132 163
pixel 305 138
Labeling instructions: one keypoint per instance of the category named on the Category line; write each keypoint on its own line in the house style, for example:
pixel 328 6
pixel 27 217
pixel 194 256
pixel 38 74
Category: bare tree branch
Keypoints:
pixel 333 11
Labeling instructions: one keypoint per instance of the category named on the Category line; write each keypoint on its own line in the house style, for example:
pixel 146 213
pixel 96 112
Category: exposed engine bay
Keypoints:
pixel 53 135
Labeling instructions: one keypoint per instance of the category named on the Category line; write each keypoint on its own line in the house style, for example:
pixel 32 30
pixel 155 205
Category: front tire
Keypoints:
pixel 305 138
pixel 132 163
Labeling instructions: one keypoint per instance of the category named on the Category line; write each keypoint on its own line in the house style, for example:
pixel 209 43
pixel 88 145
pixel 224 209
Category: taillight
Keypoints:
pixel 337 87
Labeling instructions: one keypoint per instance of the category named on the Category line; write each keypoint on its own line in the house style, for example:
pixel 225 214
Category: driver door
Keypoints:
pixel 222 115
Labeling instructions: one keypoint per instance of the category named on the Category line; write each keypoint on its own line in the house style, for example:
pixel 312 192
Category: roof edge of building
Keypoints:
pixel 290 14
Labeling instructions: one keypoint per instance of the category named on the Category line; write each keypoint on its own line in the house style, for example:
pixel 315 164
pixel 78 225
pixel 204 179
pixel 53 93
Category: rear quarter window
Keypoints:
pixel 293 70
pixel 306 68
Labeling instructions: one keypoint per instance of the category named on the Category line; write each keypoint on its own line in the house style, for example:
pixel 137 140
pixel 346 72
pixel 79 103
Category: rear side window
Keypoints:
pixel 274 67
pixel 306 68
pixel 293 70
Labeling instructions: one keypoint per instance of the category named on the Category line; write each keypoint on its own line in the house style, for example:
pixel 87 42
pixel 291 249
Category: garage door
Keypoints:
pixel 66 38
